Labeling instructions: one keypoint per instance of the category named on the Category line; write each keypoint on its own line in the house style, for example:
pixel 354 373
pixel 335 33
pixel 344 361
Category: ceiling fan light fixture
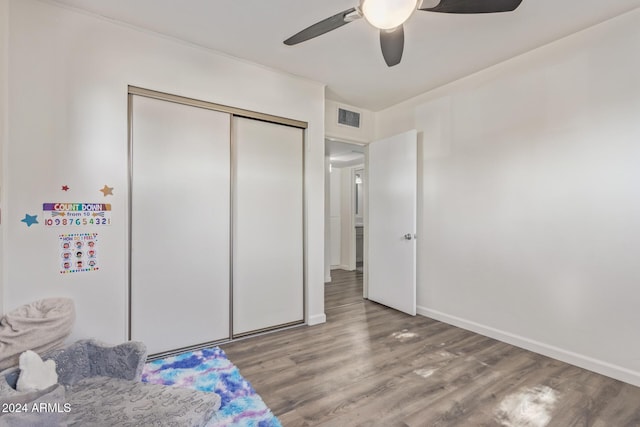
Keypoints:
pixel 387 14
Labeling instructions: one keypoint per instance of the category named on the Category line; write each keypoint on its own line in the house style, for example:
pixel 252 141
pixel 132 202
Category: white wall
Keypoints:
pixel 335 190
pixel 68 106
pixel 342 221
pixel 4 87
pixel 363 134
pixel 347 222
pixel 327 219
pixel 530 210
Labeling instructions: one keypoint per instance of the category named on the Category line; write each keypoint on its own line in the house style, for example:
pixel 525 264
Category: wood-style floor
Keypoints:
pixel 373 366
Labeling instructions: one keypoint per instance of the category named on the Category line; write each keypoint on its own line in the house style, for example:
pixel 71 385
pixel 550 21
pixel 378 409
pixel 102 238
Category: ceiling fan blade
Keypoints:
pixel 474 6
pixel 392 44
pixel 324 26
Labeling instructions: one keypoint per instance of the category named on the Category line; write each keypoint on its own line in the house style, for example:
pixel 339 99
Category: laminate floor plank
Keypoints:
pixel 369 365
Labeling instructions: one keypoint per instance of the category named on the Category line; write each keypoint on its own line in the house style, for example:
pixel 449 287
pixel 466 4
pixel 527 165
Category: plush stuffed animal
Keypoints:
pixel 34 373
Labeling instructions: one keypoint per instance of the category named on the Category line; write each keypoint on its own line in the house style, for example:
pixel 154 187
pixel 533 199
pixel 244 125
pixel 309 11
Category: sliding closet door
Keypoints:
pixel 268 233
pixel 180 224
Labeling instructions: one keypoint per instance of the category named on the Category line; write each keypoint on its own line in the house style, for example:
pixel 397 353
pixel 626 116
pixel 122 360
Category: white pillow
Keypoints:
pixel 34 373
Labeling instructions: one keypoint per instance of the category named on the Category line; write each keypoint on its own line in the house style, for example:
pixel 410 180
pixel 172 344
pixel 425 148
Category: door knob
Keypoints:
pixel 408 236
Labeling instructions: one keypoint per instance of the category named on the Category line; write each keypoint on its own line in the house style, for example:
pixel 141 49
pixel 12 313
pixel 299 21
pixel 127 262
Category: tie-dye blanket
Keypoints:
pixel 210 370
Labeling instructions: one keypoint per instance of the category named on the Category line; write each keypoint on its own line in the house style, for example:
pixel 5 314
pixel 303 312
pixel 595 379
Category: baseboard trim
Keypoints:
pixel 317 319
pixel 327 279
pixel 582 361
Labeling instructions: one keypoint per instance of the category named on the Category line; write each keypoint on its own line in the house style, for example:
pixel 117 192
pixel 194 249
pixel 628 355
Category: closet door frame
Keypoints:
pixel 234 112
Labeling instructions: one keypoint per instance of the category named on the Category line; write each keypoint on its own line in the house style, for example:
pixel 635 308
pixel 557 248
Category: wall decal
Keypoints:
pixel 30 219
pixel 107 191
pixel 65 188
pixel 78 252
pixel 76 214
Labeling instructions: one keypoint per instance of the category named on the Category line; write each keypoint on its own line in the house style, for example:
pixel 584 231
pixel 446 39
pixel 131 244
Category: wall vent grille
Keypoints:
pixel 348 118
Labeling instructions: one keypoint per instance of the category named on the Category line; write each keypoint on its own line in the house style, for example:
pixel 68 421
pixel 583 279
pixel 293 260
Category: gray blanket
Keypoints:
pixel 40 326
pixel 99 385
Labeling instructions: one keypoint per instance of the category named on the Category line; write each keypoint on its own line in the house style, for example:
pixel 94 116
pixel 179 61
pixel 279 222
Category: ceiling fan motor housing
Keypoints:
pixel 387 14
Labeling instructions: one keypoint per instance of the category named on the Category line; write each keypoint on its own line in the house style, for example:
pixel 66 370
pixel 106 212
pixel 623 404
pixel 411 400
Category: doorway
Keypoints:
pixel 389 180
pixel 345 208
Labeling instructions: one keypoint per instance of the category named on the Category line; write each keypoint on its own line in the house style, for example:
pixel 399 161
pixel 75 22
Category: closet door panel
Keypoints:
pixel 180 229
pixel 268 228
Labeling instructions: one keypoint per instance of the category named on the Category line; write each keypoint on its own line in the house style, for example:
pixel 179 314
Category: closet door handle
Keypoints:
pixel 408 236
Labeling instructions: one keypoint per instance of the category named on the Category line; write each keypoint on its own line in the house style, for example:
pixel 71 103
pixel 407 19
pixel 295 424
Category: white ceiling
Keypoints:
pixel 343 154
pixel 439 48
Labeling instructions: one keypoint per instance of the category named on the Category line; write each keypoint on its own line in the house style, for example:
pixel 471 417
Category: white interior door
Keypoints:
pixel 267 226
pixel 392 204
pixel 180 227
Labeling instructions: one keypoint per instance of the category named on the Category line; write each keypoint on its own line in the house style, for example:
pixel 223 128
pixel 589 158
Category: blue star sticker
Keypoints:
pixel 30 219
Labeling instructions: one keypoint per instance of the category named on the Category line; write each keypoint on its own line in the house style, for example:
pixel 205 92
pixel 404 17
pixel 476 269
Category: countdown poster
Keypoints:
pixel 76 214
pixel 78 252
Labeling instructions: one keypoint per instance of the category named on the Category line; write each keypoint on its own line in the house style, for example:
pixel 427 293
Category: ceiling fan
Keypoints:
pixel 390 15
